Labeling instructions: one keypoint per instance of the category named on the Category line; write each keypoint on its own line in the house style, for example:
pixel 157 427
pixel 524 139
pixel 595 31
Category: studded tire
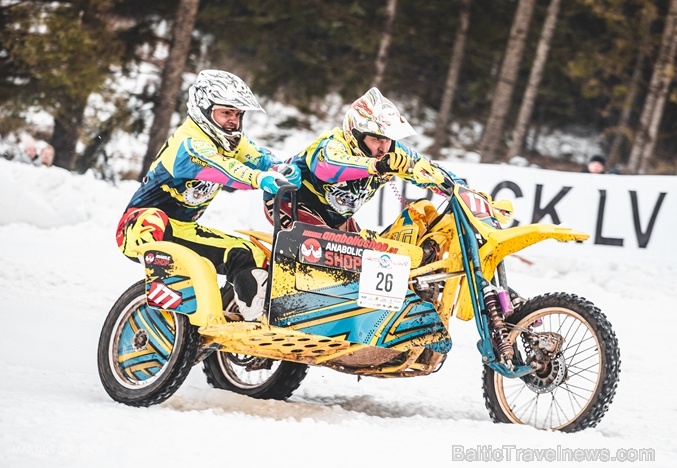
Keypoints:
pixel 266 379
pixel 144 355
pixel 576 390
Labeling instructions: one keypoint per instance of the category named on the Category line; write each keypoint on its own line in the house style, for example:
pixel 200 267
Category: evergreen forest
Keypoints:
pixel 516 69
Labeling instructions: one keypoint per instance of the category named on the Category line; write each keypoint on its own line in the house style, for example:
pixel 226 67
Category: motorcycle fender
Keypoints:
pixel 180 280
pixel 501 243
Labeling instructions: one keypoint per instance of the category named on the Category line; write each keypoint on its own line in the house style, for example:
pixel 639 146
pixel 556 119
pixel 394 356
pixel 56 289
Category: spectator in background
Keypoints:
pixel 28 153
pixel 596 165
pixel 47 155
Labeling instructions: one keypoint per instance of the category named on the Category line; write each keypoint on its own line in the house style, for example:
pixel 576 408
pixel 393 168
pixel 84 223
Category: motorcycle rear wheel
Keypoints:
pixel 266 379
pixel 144 354
pixel 574 392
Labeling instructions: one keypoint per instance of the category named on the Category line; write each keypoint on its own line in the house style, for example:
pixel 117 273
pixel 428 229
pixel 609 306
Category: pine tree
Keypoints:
pixel 535 76
pixel 62 51
pixel 663 75
pixel 451 84
pixel 171 79
pixel 492 138
pixel 386 39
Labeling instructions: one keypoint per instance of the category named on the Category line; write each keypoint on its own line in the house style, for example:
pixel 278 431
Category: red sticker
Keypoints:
pixel 163 297
pixel 311 250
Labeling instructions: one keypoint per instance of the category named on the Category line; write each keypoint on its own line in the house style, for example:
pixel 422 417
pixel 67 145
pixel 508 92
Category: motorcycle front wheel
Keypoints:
pixel 144 354
pixel 262 378
pixel 574 390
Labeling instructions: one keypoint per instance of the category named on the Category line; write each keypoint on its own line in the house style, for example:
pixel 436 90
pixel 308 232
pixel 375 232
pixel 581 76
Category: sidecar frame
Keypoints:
pixel 177 270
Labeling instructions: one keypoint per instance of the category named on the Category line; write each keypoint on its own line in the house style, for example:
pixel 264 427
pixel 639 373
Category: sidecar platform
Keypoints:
pixel 261 340
pixel 277 343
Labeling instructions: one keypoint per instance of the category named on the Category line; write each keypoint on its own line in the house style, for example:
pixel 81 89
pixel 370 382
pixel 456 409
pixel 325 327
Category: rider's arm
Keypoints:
pixel 399 147
pixel 229 169
pixel 332 161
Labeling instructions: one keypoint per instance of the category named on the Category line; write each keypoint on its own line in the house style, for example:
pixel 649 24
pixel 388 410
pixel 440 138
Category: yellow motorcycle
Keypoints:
pixel 370 304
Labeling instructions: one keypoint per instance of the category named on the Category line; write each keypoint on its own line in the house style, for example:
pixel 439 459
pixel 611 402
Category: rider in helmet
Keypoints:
pixel 346 166
pixel 207 152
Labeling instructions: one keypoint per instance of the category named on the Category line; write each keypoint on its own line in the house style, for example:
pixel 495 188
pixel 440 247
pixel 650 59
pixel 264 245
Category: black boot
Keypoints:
pixel 250 292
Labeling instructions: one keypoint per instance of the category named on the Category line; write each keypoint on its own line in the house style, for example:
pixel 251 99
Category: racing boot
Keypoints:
pixel 250 292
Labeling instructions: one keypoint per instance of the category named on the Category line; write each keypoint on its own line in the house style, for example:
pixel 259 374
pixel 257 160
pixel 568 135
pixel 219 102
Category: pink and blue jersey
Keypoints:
pixel 190 170
pixel 336 182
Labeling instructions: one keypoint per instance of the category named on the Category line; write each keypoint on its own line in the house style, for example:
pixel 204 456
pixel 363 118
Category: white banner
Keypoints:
pixel 632 217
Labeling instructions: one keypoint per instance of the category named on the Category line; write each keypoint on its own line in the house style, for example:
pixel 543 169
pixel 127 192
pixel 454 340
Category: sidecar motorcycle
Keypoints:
pixel 369 304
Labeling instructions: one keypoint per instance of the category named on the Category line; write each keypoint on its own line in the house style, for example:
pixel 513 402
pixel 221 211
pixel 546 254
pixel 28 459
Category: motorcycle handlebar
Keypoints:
pixel 284 188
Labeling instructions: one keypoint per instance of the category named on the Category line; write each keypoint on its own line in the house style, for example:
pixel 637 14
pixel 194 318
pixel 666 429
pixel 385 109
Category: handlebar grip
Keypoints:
pixel 281 183
pixel 286 171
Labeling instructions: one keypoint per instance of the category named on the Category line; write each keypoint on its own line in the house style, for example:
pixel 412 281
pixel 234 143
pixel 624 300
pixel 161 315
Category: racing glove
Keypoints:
pixel 291 172
pixel 270 181
pixel 393 163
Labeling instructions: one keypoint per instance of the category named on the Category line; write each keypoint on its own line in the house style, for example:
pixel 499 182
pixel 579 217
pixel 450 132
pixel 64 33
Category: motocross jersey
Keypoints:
pixel 336 182
pixel 190 170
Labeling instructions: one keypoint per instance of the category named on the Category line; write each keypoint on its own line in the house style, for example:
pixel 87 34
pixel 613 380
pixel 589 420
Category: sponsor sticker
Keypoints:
pixel 204 148
pixel 338 250
pixel 162 296
pixel 157 258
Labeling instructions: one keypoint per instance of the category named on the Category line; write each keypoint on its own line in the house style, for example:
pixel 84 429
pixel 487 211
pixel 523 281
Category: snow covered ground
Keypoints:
pixel 60 272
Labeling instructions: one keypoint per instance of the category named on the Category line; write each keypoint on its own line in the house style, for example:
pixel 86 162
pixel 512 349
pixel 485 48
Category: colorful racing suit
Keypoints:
pixel 336 182
pixel 184 178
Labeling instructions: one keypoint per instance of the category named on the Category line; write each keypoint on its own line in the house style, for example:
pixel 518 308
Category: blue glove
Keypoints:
pixel 270 181
pixel 291 172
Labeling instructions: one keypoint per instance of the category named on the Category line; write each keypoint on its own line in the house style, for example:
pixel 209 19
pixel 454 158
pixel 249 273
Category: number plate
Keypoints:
pixel 383 280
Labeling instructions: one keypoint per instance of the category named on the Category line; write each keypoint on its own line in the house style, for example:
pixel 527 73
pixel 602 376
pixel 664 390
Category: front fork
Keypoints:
pixel 486 303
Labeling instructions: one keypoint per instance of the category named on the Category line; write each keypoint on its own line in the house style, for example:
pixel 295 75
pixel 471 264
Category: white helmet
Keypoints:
pixel 216 87
pixel 373 114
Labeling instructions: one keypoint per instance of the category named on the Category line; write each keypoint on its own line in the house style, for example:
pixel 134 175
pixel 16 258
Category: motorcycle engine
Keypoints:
pixel 431 253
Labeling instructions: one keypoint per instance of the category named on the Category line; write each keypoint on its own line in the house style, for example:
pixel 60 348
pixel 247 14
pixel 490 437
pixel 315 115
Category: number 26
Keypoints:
pixel 385 281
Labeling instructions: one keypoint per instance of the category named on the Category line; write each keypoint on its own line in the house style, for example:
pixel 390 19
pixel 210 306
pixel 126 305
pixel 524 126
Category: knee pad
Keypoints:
pixel 140 226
